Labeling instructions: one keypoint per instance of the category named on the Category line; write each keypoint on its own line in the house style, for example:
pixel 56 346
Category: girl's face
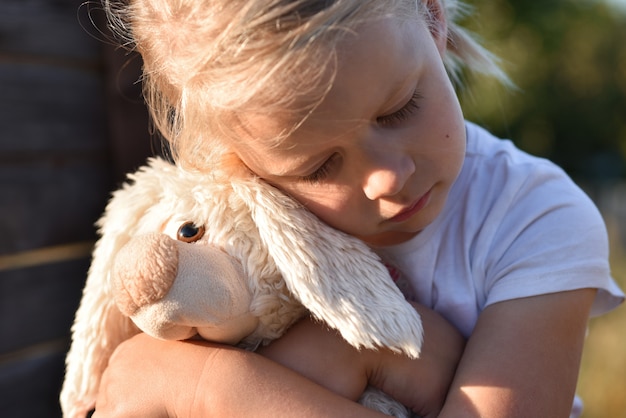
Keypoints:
pixel 377 158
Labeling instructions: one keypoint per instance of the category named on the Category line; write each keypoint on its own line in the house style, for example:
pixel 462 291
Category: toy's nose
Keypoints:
pixel 144 270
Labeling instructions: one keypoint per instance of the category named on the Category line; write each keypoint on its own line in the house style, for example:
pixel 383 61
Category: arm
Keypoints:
pixel 148 377
pixel 422 384
pixel 522 359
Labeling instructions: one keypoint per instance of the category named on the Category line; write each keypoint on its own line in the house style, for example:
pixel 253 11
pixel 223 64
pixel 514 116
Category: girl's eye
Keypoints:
pixel 323 171
pixel 189 232
pixel 403 113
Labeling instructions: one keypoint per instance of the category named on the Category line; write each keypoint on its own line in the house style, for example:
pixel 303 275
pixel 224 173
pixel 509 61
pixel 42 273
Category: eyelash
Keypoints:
pixel 398 116
pixel 322 172
pixel 403 113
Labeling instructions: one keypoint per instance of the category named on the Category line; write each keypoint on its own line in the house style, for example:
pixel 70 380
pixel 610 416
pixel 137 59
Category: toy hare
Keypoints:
pixel 233 260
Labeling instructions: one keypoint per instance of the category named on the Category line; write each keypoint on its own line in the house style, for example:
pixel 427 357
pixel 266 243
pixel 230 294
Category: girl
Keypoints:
pixel 348 106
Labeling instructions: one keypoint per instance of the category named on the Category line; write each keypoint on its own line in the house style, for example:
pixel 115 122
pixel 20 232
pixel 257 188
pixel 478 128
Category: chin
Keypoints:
pixel 384 239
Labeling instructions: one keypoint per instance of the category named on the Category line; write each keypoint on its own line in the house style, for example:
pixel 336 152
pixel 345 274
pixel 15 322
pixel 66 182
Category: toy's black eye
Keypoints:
pixel 189 232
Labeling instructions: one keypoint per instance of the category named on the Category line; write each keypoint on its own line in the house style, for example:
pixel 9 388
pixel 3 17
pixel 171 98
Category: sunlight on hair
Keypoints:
pixel 208 63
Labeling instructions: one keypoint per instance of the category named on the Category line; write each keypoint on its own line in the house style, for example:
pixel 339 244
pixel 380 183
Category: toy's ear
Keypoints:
pixel 335 276
pixel 99 327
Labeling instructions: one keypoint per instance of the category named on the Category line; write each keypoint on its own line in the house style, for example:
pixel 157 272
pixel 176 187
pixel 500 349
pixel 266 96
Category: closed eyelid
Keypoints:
pixel 406 110
pixel 323 171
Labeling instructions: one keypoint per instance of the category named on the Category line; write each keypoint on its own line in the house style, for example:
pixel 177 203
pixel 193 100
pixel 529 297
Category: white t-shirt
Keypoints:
pixel 513 226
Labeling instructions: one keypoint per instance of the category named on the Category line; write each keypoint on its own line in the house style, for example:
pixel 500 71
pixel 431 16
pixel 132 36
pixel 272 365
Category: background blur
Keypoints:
pixel 72 123
pixel 568 61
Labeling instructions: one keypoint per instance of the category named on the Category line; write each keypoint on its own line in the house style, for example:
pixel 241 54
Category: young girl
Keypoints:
pixel 347 105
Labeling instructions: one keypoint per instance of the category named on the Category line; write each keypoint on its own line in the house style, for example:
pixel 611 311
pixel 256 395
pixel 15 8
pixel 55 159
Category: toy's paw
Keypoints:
pixel 378 400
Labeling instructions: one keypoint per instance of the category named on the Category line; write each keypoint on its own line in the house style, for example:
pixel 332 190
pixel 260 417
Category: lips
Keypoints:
pixel 413 209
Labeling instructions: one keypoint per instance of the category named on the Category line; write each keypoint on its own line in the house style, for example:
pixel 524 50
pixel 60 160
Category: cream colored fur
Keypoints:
pixel 262 262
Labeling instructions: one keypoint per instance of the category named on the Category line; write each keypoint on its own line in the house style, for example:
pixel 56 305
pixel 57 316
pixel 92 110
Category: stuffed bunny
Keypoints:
pixel 233 260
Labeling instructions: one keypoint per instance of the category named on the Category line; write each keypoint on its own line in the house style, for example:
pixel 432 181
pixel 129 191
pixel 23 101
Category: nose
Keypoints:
pixel 387 175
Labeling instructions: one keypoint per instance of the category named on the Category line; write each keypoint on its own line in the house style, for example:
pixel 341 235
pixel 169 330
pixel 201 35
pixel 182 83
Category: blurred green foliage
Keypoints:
pixel 567 59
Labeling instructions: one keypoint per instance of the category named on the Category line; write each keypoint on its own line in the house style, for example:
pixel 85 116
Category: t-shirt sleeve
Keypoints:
pixel 550 237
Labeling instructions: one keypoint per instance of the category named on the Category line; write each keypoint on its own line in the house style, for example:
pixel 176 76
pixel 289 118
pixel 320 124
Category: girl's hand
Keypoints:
pixel 423 384
pixel 323 356
pixel 147 378
pixel 128 391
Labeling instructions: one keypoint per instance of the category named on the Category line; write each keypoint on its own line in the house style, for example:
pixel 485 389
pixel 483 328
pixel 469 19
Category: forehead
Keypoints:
pixel 378 58
pixel 374 67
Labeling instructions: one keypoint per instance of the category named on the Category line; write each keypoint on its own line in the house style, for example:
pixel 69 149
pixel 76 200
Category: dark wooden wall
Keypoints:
pixel 71 123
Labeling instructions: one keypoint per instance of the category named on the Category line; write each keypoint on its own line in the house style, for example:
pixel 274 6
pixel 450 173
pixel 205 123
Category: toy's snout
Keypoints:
pixel 144 271
pixel 175 290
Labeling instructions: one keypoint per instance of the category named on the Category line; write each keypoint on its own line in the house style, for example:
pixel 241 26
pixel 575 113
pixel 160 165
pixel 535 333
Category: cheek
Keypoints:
pixel 450 146
pixel 331 206
pixel 455 144
pixel 446 137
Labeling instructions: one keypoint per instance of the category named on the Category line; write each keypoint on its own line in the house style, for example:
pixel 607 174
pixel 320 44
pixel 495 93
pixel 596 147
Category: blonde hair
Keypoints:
pixel 207 63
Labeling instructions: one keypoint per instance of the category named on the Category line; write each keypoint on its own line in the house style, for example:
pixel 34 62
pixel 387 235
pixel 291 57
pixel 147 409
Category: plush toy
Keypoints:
pixel 233 260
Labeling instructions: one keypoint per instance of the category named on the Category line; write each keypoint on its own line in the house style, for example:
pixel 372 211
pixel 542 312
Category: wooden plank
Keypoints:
pixel 48 28
pixel 46 255
pixel 46 203
pixel 50 108
pixel 30 388
pixel 37 304
pixel 55 178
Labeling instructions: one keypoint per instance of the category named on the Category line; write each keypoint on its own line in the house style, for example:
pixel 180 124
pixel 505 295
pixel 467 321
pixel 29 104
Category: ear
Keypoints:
pixel 99 327
pixel 435 14
pixel 335 276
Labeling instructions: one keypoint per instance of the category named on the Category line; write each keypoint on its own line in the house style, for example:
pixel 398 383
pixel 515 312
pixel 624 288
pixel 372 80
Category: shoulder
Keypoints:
pixel 509 190
pixel 534 229
pixel 505 195
pixel 498 174
pixel 486 153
